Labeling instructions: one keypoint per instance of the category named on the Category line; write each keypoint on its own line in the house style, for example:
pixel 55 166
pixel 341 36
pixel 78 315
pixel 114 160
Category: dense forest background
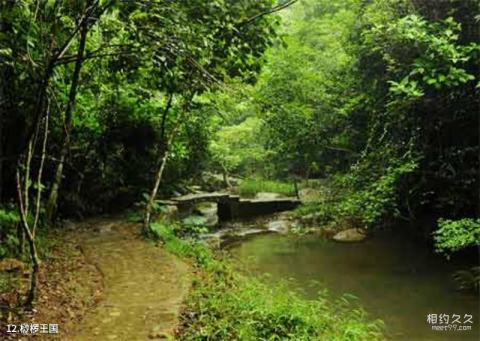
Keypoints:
pixel 108 103
pixel 378 97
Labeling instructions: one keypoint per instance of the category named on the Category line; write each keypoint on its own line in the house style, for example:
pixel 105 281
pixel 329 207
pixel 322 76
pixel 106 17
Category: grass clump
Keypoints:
pixel 225 305
pixel 250 187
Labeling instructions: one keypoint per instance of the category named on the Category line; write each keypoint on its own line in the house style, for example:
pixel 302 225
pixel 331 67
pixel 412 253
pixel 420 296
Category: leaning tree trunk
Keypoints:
pixel 158 180
pixel 52 202
pixel 153 195
pixel 163 162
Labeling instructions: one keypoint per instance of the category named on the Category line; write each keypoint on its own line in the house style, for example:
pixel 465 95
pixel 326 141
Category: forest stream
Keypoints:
pixel 396 278
pixel 191 119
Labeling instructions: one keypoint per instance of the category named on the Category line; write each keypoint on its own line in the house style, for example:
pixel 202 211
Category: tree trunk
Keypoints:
pixel 226 181
pixel 39 106
pixel 31 241
pixel 153 195
pixel 35 269
pixel 21 240
pixel 23 204
pixel 51 207
pixel 26 199
pixel 40 172
pixel 158 179
pixel 163 162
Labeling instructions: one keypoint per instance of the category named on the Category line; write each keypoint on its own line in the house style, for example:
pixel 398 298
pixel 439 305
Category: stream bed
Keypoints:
pixel 395 278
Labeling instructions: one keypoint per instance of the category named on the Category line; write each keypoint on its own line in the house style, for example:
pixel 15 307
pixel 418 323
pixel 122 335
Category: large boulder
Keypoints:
pixel 279 226
pixel 350 235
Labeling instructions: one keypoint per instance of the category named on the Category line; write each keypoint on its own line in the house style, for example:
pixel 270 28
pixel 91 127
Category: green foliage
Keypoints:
pixel 304 89
pixel 251 310
pixel 373 95
pixel 237 149
pixel 442 63
pixel 168 232
pixel 366 207
pixel 422 70
pixel 9 238
pixel 454 235
pixel 224 305
pixel 9 219
pixel 194 226
pixel 250 187
pixel 9 216
pixel 145 70
pixel 378 197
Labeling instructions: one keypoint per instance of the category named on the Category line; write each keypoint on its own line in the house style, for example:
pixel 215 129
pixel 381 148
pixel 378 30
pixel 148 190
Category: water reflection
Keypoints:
pixel 395 278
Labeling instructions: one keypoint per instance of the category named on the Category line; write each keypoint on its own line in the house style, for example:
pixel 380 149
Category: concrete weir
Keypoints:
pixel 233 207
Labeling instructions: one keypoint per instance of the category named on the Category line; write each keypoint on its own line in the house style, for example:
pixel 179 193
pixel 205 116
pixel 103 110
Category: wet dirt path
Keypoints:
pixel 143 285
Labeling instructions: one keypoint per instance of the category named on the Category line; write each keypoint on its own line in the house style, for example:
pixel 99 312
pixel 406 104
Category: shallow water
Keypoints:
pixel 395 278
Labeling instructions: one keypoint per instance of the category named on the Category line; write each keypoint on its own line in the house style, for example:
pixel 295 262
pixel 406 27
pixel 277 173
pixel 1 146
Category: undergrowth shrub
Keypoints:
pixel 362 202
pixel 9 242
pixel 454 235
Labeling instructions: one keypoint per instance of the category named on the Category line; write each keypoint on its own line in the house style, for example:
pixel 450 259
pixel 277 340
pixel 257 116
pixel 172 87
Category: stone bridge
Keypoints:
pixel 232 207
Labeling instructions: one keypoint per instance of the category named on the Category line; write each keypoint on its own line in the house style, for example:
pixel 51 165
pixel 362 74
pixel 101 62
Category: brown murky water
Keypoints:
pixel 144 286
pixel 395 279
